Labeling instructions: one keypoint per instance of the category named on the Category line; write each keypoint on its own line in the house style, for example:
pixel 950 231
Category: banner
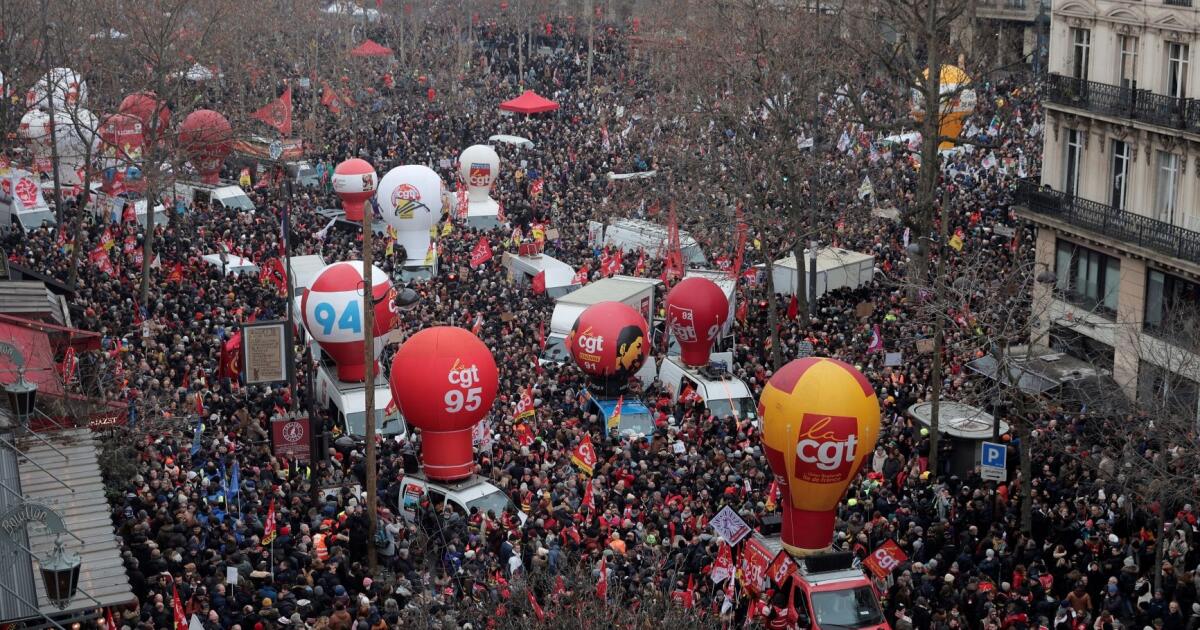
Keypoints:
pixel 525 405
pixel 722 567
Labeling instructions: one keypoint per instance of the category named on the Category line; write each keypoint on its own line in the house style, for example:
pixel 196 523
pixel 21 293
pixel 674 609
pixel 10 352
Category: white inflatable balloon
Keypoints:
pixel 75 132
pixel 410 199
pixel 478 167
pixel 35 129
pixel 67 88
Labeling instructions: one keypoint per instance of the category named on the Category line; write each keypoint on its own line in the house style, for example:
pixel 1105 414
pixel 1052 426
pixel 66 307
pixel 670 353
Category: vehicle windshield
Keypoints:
pixel 34 220
pixel 849 608
pixel 237 202
pixel 637 423
pixel 356 424
pixel 416 273
pixel 483 222
pixel 556 349
pixel 740 408
pixel 496 502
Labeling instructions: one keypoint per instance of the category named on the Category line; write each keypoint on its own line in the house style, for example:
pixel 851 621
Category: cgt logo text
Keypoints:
pixel 462 375
pixel 590 345
pixel 826 447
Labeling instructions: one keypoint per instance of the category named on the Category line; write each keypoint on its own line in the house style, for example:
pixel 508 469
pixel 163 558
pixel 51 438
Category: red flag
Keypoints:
pixel 739 249
pixel 274 273
pixel 539 283
pixel 772 496
pixel 108 619
pixel 536 187
pixel 482 252
pixel 176 274
pixel 278 113
pixel 537 610
pixel 589 499
pixel 331 100
pixel 477 327
pixel 560 585
pixel 269 529
pixel 231 358
pixel 525 405
pixel 181 622
pixel 199 402
pixel 602 583
pixel 793 309
pixel 742 311
pixel 68 365
pixel 722 567
pixel 611 264
pixel 99 257
pixel 524 434
pixel 584 456
pixel 640 269
pixel 581 276
pixel 500 216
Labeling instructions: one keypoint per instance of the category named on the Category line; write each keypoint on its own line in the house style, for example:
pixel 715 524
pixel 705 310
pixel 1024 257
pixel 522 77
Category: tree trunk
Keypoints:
pixel 939 337
pixel 1159 544
pixel 802 270
pixel 591 39
pixel 773 315
pixel 930 125
pixel 1026 454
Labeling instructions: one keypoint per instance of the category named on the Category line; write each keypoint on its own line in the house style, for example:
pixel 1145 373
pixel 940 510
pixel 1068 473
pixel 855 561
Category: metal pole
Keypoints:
pixel 51 89
pixel 368 320
pixel 812 278
pixel 291 299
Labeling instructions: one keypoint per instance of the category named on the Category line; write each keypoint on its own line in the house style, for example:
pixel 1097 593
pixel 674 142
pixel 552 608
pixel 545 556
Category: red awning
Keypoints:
pixel 529 103
pixel 34 346
pixel 371 49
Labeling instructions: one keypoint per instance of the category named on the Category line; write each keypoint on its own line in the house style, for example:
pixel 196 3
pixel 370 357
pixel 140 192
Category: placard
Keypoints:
pixel 552 234
pixel 755 564
pixel 924 346
pixel 292 437
pixel 730 526
pixel 864 309
pixel 885 559
pixel 264 356
pixel 893 359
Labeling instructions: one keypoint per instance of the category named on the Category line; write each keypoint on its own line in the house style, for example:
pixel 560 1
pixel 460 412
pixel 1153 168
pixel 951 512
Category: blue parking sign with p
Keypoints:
pixel 994 455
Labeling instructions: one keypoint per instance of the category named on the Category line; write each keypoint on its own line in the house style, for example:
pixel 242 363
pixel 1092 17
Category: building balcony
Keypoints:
pixel 1120 226
pixel 1122 102
pixel 1021 10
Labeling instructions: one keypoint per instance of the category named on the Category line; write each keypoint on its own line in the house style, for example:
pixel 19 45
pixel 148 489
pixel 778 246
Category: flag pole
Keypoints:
pixel 291 297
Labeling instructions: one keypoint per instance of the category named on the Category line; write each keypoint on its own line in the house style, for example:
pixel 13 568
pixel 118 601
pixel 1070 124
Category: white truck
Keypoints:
pixel 111 208
pixel 638 293
pixel 728 286
pixel 226 195
pixel 722 393
pixel 636 235
pixel 22 205
pixel 560 277
pixel 347 402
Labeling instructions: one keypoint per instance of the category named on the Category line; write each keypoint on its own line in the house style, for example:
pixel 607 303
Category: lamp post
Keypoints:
pixel 21 397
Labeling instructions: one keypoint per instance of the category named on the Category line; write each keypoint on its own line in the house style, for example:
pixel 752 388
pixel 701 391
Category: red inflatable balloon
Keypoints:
pixel 205 136
pixel 444 379
pixel 355 182
pixel 332 313
pixel 696 310
pixel 609 341
pixel 141 105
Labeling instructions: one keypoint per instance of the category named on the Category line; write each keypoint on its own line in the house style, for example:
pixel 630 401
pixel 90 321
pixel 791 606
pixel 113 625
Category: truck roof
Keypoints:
pixel 305 269
pixel 735 387
pixel 627 406
pixel 824 580
pixel 615 289
pixel 652 229
pixel 467 489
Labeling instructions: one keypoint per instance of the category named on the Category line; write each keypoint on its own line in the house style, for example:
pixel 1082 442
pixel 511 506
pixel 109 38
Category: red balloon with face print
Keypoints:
pixel 205 136
pixel 609 341
pixel 445 379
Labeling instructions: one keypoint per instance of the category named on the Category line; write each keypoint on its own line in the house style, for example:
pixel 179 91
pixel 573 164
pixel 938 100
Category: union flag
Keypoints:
pixel 278 113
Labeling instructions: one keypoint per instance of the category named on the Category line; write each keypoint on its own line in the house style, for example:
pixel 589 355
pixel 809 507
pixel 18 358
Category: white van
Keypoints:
pixel 636 235
pixel 348 403
pixel 722 392
pixel 232 264
pixel 22 205
pixel 472 492
pixel 226 195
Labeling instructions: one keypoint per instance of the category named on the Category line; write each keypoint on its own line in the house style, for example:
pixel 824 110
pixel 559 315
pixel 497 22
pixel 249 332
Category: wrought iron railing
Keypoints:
pixel 1178 3
pixel 1122 225
pixel 1124 102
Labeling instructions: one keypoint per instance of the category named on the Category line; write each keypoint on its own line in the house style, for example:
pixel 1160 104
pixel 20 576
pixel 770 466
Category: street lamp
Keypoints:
pixel 21 397
pixel 60 573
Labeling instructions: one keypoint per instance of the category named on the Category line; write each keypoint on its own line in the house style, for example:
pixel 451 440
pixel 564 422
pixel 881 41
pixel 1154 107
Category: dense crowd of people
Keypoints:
pixel 1088 559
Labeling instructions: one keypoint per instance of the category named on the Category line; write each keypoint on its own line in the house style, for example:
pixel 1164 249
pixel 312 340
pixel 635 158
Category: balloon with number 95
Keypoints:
pixel 445 380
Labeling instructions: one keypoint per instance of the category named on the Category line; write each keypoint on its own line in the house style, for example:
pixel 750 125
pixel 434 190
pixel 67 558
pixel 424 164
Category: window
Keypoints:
pixel 1080 346
pixel 1087 277
pixel 1169 299
pixel 1074 158
pixel 1081 41
pixel 1121 157
pixel 1167 188
pixel 1177 69
pixel 1127 62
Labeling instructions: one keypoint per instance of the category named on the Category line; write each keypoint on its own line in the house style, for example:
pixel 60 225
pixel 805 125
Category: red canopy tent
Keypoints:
pixel 371 49
pixel 529 103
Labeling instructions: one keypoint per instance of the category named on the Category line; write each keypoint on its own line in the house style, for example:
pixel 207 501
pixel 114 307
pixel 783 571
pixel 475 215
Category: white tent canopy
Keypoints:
pixel 642 175
pixel 837 268
pixel 198 73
